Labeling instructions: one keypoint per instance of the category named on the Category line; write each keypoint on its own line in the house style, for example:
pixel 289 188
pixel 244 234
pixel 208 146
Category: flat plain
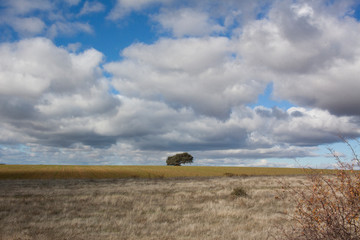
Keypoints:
pixel 144 208
pixel 101 172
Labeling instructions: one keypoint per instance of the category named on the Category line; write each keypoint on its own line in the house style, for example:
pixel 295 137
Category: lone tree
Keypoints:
pixel 178 159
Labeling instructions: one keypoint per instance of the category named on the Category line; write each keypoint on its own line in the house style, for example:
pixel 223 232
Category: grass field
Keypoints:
pixel 143 209
pixel 142 202
pixel 101 172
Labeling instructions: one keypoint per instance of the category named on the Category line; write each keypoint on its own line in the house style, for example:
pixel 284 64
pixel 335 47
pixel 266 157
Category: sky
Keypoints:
pixel 129 82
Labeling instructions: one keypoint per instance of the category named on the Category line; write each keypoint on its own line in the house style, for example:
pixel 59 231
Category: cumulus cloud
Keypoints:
pixel 301 46
pixel 186 93
pixel 289 47
pixel 199 73
pixel 301 127
pixel 61 99
pixel 54 96
pixel 307 49
pixel 131 127
pixel 247 134
pixel 32 67
pixel 188 22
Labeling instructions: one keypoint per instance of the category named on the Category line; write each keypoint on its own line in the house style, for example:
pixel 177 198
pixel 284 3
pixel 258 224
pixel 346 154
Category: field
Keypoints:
pixel 135 208
pixel 142 202
pixel 101 172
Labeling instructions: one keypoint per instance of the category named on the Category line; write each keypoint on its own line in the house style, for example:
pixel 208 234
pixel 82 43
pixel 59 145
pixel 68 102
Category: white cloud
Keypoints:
pixel 45 18
pixel 23 75
pixel 124 7
pixel 31 67
pixel 296 126
pixel 54 97
pixel 302 10
pixel 18 15
pixel 138 118
pixel 25 6
pixel 307 49
pixel 333 88
pixel 78 104
pixel 91 7
pixel 304 46
pixel 152 128
pixel 194 72
pixel 247 134
pixel 73 47
pixel 186 93
pixel 27 26
pixel 73 2
pixel 188 22
pixel 309 127
pixel 68 28
pixel 10 135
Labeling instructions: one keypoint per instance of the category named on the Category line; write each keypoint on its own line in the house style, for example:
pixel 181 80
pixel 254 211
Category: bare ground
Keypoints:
pixel 192 208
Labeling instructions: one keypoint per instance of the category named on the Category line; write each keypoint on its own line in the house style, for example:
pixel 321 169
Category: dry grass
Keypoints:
pixel 191 208
pixel 101 172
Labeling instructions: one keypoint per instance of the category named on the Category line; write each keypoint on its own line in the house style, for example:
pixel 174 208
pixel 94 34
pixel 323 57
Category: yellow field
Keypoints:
pixel 98 172
pixel 144 209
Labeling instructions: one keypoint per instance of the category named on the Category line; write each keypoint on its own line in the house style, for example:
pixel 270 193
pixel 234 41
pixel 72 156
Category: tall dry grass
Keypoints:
pixel 192 208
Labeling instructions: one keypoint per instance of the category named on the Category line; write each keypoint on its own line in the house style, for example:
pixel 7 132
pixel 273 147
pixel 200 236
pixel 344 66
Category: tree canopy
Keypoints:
pixel 178 159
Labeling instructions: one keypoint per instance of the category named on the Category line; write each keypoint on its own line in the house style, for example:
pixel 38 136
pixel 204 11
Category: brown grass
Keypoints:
pixel 101 172
pixel 187 208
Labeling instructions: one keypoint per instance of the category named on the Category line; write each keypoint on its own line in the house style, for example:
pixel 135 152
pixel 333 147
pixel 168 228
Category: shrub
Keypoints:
pixel 239 192
pixel 328 206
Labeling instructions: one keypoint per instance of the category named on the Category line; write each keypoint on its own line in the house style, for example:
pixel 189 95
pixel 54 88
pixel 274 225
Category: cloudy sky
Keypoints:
pixel 240 83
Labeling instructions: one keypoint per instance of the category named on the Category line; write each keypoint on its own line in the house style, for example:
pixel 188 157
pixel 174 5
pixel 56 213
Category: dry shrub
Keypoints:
pixel 239 192
pixel 327 206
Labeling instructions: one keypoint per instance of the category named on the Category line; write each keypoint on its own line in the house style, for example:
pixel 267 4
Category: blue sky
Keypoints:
pixel 235 83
